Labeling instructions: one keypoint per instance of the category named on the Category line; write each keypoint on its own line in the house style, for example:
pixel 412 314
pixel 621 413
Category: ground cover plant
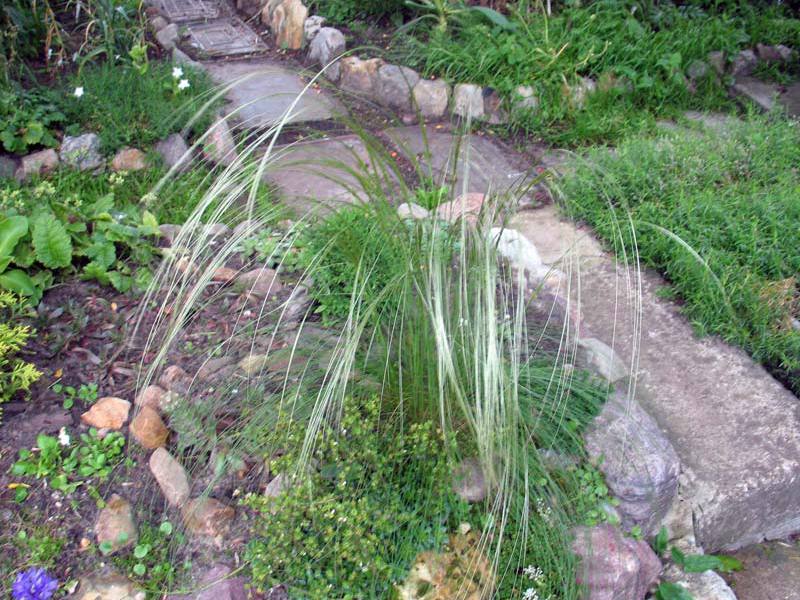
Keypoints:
pixel 639 54
pixel 717 213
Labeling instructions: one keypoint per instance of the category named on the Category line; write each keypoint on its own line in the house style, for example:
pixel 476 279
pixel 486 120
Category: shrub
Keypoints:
pixel 352 527
pixel 16 375
pixel 28 119
pixel 343 11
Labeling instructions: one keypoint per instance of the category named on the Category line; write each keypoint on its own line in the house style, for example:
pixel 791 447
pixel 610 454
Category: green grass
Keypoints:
pixel 128 108
pixel 647 51
pixel 731 198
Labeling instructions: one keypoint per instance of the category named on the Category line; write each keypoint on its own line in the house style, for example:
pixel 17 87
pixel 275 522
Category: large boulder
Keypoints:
pixel 327 45
pixel 640 465
pixel 395 85
pixel 286 20
pixel 431 98
pixel 360 76
pixel 81 152
pixel 614 567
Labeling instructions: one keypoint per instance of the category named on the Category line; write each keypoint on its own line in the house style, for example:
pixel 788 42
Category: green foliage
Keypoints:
pixel 86 393
pixel 354 524
pixel 344 11
pixel 66 466
pixel 718 214
pixel 697 563
pixel 74 221
pixel 150 562
pixel 28 119
pixel 672 591
pixel 274 248
pixel 129 108
pixel 39 547
pixel 16 375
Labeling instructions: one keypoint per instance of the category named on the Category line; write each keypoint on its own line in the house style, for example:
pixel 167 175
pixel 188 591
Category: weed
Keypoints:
pixel 150 562
pixel 85 393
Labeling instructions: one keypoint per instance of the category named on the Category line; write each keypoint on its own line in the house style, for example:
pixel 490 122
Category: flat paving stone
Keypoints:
pixel 491 167
pixel 225 37
pixel 771 572
pixel 314 177
pixel 734 427
pixel 181 11
pixel 765 94
pixel 262 92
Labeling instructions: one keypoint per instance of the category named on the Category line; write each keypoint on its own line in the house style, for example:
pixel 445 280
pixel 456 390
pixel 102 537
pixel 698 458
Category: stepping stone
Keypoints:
pixel 736 429
pixel 491 168
pixel 314 177
pixel 791 99
pixel 225 37
pixel 771 572
pixel 262 92
pixel 182 11
pixel 765 94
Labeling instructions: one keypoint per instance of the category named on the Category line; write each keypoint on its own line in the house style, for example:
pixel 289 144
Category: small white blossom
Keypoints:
pixel 177 72
pixel 78 91
pixel 530 594
pixel 183 84
pixel 63 437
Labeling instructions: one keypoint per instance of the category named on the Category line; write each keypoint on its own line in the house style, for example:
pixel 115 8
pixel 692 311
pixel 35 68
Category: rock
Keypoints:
pixel 286 20
pixel 37 163
pixel 107 584
pixel 469 481
pixel 115 524
pixel 717 61
pixel 224 275
pixel 216 584
pixel 360 76
pixel 175 379
pixel 409 210
pixel 312 26
pixel 207 517
pixel 770 53
pixel 520 252
pixel 171 477
pixel 181 58
pixel 250 7
pixel 525 98
pixel 245 228
pixel 107 413
pixel 8 167
pixel 771 571
pixel 297 305
pixel 466 205
pixel 326 46
pixel 276 487
pixel 261 282
pixel 580 92
pixel 213 366
pixel 614 567
pixel 431 98
pixel 169 232
pixel 157 23
pixel 468 101
pixel 698 69
pixel 174 152
pixel 151 397
pixel 253 364
pixel 215 230
pixel 219 145
pixel 168 36
pixel 81 152
pixel 640 465
pixel 744 63
pixel 129 159
pixel 148 429
pixel 784 52
pixel 707 585
pixel 598 357
pixel 395 85
pixel 493 106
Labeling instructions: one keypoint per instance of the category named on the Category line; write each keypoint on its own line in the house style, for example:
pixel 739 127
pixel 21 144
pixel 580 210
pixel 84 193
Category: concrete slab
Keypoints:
pixel 181 11
pixel 771 572
pixel 314 177
pixel 735 429
pixel 262 92
pixel 225 37
pixel 445 156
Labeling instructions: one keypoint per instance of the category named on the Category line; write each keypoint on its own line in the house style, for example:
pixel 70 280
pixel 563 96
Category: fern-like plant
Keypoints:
pixel 16 375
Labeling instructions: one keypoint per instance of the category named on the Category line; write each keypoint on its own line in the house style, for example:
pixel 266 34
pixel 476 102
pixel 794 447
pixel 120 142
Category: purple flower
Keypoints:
pixel 34 584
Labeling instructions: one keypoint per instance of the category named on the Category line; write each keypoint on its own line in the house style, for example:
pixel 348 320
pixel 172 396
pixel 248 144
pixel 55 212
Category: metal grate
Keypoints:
pixel 225 38
pixel 189 10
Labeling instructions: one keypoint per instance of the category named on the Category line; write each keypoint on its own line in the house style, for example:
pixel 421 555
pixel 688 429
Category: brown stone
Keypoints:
pixel 171 477
pixel 261 282
pixel 107 584
pixel 213 366
pixel 37 163
pixel 115 524
pixel 360 76
pixel 107 413
pixel 208 517
pixel 175 379
pixel 286 20
pixel 151 397
pixel 148 429
pixel 129 159
pixel 466 205
pixel 224 275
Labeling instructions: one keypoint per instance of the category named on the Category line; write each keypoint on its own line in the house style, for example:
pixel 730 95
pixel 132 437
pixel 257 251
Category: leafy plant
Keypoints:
pixel 150 562
pixel 16 375
pixel 86 393
pixel 28 119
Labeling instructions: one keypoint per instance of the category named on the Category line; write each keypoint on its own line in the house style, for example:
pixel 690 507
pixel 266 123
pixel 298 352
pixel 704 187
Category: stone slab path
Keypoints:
pixel 766 94
pixel 262 92
pixel 735 429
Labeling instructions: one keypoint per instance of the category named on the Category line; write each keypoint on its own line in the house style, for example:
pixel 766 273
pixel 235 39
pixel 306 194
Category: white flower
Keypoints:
pixel 177 72
pixel 183 84
pixel 78 91
pixel 530 594
pixel 63 437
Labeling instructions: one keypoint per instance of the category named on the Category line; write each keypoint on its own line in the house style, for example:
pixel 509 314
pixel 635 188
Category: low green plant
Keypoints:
pixel 275 248
pixel 16 375
pixel 352 526
pixel 67 465
pixel 86 393
pixel 150 562
pixel 28 119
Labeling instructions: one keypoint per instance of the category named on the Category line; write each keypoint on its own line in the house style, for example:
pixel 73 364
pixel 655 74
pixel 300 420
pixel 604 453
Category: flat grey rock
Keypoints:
pixel 735 429
pixel 225 37
pixel 762 93
pixel 771 572
pixel 314 177
pixel 491 167
pixel 261 92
